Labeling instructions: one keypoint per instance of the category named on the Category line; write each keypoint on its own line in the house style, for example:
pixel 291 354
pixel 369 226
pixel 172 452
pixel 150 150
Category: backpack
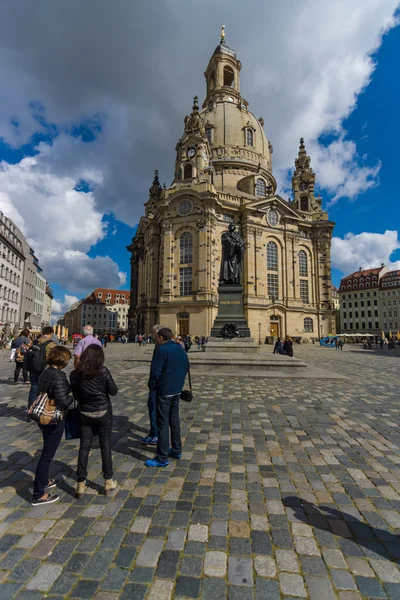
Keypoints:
pixel 38 363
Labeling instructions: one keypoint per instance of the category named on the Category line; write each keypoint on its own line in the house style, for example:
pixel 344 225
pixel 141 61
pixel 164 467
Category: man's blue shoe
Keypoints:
pixel 172 454
pixel 149 441
pixel 154 462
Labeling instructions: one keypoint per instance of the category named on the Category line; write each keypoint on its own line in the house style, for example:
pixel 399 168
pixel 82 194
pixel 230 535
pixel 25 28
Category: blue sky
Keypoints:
pixel 88 116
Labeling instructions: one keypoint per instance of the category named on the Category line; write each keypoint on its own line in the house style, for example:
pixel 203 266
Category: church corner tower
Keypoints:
pixel 223 173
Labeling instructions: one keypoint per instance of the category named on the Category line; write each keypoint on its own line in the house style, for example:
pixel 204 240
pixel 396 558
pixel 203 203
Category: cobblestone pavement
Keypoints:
pixel 287 488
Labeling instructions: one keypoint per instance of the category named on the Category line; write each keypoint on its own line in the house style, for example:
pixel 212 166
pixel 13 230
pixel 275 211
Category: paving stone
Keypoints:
pixel 211 589
pixel 386 571
pixel 64 584
pixel 161 590
pixel 198 533
pixel 115 579
pixel 134 591
pixel 44 578
pixel 369 587
pixel 187 587
pixel 176 539
pixel 313 565
pixel 306 546
pixel 267 589
pixel 149 553
pixel 265 566
pixel 98 564
pixel 24 570
pixel 342 580
pixel 240 570
pixel 320 588
pixel 292 585
pixel 215 564
pixel 85 589
pixel 287 561
pixel 218 528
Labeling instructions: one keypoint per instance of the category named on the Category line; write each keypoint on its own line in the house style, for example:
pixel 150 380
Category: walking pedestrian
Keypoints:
pixel 169 367
pixel 88 339
pixel 151 438
pixel 21 346
pixel 92 385
pixel 53 381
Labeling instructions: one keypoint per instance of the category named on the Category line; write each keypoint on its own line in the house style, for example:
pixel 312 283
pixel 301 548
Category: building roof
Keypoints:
pixel 390 279
pixel 363 278
pixel 102 294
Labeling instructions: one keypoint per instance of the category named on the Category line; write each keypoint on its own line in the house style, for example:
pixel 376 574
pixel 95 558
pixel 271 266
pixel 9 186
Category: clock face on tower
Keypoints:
pixel 191 152
pixel 303 186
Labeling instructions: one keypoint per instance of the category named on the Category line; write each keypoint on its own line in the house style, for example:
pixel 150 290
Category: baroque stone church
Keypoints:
pixel 223 174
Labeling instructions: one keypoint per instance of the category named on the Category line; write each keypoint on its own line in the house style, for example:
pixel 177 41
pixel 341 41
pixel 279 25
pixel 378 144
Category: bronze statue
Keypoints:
pixel 233 249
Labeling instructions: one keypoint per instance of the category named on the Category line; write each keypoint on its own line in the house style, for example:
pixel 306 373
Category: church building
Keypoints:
pixel 223 174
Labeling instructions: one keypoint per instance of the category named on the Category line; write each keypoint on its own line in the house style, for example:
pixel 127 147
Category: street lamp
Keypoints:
pixel 259 334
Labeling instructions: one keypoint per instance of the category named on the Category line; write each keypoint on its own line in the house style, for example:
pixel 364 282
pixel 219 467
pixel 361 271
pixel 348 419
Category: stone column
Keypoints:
pixel 168 259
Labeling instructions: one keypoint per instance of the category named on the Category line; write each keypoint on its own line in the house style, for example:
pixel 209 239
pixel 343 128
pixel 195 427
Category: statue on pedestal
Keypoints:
pixel 233 249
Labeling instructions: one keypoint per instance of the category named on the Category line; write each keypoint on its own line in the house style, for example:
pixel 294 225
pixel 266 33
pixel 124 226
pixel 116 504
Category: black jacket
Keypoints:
pixel 55 383
pixel 93 393
pixel 288 347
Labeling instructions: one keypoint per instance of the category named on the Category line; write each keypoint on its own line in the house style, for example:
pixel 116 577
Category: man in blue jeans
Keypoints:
pixel 168 370
pixel 151 438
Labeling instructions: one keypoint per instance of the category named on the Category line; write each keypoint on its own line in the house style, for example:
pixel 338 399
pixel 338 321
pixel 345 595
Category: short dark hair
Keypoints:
pixel 24 332
pixel 165 333
pixel 91 360
pixel 47 330
pixel 59 356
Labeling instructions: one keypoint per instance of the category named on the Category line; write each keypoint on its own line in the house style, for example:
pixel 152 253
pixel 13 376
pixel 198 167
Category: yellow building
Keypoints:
pixel 223 173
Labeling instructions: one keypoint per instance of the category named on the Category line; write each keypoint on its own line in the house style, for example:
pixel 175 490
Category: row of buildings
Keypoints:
pixel 25 296
pixel 370 301
pixel 106 310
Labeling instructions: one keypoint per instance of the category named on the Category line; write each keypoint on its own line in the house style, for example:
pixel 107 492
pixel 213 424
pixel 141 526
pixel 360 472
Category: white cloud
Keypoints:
pixel 113 64
pixel 366 250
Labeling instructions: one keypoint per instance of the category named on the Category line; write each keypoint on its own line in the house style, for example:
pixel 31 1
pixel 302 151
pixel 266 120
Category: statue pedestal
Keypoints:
pixel 230 309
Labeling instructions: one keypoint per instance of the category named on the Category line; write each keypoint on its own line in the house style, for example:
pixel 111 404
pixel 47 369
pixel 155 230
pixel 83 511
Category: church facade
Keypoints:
pixel 223 173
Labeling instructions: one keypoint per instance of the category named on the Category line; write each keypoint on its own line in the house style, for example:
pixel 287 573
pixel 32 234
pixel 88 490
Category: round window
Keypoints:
pixel 273 217
pixel 185 208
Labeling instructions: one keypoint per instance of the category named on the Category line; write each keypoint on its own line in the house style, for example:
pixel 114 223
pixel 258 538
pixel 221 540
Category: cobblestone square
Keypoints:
pixel 287 488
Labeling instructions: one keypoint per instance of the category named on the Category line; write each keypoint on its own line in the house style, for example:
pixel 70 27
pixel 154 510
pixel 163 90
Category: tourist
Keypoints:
pixel 337 344
pixel 199 343
pixel 88 340
pixel 92 386
pixel 151 438
pixel 288 346
pixel 168 370
pixel 341 344
pixel 278 348
pixel 53 381
pixel 36 359
pixel 21 345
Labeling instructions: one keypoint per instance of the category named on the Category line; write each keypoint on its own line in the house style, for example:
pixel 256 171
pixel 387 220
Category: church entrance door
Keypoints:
pixel 183 324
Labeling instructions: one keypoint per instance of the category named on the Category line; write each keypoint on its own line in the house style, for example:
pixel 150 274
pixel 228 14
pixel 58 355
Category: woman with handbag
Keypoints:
pixel 92 386
pixel 53 383
pixel 21 345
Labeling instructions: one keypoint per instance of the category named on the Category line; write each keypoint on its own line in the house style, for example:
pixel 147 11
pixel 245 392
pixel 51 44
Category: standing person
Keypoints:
pixel 151 438
pixel 21 345
pixel 168 370
pixel 36 358
pixel 199 343
pixel 337 344
pixel 288 346
pixel 88 339
pixel 54 382
pixel 92 386
pixel 278 348
pixel 106 340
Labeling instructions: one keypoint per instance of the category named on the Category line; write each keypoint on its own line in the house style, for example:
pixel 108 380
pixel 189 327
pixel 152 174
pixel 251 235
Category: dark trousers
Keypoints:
pixel 102 427
pixel 52 435
pixel 168 418
pixel 18 367
pixel 34 379
pixel 152 407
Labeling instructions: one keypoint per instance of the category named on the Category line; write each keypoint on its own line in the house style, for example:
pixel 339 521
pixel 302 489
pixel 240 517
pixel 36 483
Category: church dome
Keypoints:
pixel 236 135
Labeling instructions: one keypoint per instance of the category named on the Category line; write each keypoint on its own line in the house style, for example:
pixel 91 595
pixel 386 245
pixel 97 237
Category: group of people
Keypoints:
pixel 285 347
pixel 91 385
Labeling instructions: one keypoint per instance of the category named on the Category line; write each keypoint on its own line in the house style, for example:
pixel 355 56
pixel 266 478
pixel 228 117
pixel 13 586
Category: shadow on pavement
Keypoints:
pixel 374 540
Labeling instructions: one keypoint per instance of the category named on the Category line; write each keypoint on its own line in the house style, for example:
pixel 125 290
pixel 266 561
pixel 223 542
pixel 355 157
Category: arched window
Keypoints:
pixel 249 137
pixel 261 188
pixel 187 171
pixel 186 248
pixel 209 134
pixel 272 256
pixel 229 77
pixel 308 325
pixel 303 266
pixel 304 203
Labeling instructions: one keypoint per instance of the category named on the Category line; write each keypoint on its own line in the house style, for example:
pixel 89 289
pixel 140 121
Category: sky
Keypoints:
pixel 94 95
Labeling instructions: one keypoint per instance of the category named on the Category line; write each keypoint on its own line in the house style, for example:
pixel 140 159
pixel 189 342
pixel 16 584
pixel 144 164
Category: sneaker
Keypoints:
pixel 109 486
pixel 172 454
pixel 49 500
pixel 154 462
pixel 149 441
pixel 53 483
